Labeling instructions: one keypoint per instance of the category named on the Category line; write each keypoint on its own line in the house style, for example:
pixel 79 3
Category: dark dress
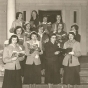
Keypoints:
pixel 52 69
pixel 71 75
pixel 44 37
pixel 61 39
pixel 78 37
pixel 12 79
pixel 22 63
pixel 32 74
pixel 34 22
pixel 71 63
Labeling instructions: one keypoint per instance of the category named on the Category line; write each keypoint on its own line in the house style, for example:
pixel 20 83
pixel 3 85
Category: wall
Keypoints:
pixel 87 26
pixel 67 7
pixel 2 21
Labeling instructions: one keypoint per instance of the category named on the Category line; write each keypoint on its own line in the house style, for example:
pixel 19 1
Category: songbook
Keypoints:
pixel 65 51
pixel 68 50
pixel 18 54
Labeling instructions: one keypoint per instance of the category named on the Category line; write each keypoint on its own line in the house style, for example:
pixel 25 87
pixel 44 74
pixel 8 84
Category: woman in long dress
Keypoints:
pixel 34 21
pixel 11 58
pixel 52 67
pixel 71 62
pixel 32 71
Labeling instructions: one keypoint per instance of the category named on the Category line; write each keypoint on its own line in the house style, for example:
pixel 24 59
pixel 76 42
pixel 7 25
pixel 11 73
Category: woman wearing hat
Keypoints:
pixel 27 31
pixel 32 71
pixel 75 29
pixel 71 62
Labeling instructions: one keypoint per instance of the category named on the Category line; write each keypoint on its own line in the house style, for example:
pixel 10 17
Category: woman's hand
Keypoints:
pixel 41 52
pixel 36 56
pixel 57 52
pixel 58 44
pixel 72 53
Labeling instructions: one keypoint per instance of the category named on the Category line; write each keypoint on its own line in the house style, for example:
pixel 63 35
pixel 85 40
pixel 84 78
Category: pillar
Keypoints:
pixel 11 7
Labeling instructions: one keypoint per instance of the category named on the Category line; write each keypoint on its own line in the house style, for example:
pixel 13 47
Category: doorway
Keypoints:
pixel 51 15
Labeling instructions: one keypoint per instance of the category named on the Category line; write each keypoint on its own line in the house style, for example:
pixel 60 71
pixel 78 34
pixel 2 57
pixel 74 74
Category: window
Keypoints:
pixel 75 17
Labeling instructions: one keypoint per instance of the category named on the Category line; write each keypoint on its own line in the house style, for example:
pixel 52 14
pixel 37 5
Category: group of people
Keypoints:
pixel 41 49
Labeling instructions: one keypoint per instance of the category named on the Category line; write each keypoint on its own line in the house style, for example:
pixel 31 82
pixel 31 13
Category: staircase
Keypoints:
pixel 84 73
pixel 83 77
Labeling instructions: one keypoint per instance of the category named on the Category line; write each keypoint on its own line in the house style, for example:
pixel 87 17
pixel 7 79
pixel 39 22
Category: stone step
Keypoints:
pixel 56 86
pixel 1 84
pixel 83 59
pixel 80 86
pixel 84 65
pixel 1 78
pixel 83 85
pixel 84 72
pixel 83 79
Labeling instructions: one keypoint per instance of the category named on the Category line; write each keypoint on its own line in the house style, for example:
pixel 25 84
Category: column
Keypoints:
pixel 10 15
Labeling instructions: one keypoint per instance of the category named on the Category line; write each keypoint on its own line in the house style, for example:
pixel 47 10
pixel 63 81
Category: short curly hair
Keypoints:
pixel 18 28
pixel 33 33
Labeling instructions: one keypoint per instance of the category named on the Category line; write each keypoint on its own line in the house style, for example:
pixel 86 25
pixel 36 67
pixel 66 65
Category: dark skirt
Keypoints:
pixel 42 58
pixel 32 74
pixel 71 75
pixel 22 63
pixel 52 73
pixel 12 79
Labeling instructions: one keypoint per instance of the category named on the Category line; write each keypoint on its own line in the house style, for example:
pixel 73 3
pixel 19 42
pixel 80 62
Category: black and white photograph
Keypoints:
pixel 43 43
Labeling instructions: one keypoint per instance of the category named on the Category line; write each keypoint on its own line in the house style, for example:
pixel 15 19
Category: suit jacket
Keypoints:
pixel 31 58
pixel 77 52
pixel 7 57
